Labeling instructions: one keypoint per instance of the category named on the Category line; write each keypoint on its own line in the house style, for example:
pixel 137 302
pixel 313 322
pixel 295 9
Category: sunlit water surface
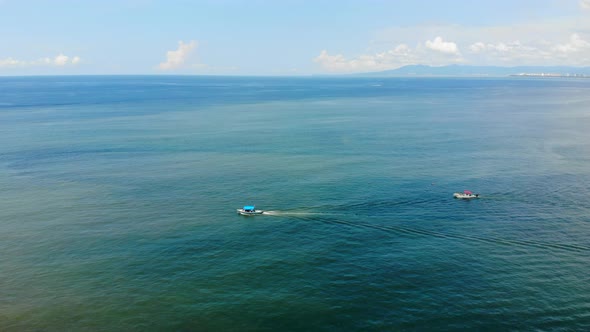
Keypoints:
pixel 118 200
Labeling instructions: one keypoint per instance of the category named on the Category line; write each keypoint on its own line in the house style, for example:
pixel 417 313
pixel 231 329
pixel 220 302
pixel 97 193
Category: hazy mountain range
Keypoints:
pixel 463 70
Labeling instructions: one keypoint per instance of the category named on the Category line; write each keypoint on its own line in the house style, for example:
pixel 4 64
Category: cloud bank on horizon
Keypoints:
pixel 59 60
pixel 505 47
pixel 249 38
pixel 550 41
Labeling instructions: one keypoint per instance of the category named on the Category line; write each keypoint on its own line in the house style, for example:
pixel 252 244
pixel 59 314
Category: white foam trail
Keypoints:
pixel 295 213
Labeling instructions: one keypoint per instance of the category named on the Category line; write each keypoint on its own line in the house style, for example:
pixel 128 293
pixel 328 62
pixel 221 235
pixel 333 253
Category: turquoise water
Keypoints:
pixel 118 198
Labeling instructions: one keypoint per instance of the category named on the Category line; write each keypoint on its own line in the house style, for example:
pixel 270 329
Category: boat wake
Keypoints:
pixel 337 218
pixel 295 213
pixel 424 232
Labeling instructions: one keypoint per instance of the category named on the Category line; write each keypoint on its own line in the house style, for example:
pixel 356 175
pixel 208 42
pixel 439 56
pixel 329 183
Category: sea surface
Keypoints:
pixel 118 200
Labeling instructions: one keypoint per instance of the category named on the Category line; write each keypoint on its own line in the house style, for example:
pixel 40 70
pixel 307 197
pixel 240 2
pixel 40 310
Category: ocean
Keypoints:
pixel 118 198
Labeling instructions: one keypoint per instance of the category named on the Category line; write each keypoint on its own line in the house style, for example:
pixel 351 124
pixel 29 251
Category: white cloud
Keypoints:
pixel 332 62
pixel 562 41
pixel 575 44
pixel 401 55
pixel 439 45
pixel 585 4
pixel 501 47
pixel 396 57
pixel 176 59
pixel 534 52
pixel 10 62
pixel 478 47
pixel 507 52
pixel 60 60
pixel 573 51
pixel 555 41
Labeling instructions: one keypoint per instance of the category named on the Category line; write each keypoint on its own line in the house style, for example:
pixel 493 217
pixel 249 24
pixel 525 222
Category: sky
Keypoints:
pixel 286 37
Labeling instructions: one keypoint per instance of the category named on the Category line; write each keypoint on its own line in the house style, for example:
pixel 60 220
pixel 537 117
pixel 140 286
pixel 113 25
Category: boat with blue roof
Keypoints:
pixel 249 210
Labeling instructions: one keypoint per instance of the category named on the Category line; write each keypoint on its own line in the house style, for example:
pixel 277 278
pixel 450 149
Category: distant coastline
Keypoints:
pixel 551 75
pixel 482 71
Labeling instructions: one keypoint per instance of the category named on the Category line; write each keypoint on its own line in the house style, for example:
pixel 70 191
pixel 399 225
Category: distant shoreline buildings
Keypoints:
pixel 484 71
pixel 551 75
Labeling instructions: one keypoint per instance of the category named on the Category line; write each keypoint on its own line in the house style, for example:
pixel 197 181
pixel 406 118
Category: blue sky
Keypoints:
pixel 286 37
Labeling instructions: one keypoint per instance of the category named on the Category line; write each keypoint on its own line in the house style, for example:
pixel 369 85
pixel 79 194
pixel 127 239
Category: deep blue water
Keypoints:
pixel 118 198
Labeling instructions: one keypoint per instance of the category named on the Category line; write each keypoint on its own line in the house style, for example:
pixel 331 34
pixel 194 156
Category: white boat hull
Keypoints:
pixel 465 196
pixel 249 213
